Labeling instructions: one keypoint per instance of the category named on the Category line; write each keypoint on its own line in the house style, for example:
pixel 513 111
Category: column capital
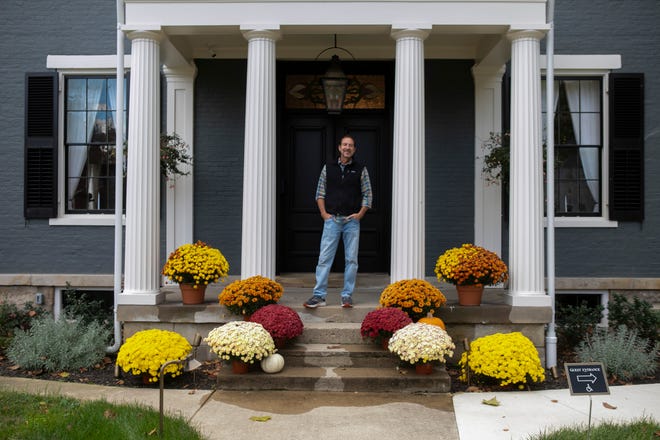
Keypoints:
pixel 519 34
pixel 420 32
pixel 270 33
pixel 155 35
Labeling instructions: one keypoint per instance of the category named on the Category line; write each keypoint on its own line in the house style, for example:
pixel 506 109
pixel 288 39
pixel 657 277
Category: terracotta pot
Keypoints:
pixel 469 295
pixel 424 368
pixel 384 342
pixel 239 367
pixel 191 295
pixel 280 343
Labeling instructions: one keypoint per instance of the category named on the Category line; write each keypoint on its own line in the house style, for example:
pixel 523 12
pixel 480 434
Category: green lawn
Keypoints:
pixel 33 417
pixel 640 429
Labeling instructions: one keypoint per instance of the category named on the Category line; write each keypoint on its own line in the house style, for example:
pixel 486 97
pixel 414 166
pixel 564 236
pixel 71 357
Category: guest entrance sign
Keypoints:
pixel 586 379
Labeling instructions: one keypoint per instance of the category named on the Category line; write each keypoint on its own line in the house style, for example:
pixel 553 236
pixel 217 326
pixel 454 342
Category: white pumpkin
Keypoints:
pixel 273 363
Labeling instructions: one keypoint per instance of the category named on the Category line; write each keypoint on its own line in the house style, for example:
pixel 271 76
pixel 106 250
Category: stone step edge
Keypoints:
pixel 348 379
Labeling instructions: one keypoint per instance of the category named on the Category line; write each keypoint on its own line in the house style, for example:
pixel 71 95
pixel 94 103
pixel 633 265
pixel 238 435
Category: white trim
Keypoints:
pixel 85 220
pixel 78 63
pixel 583 62
pixel 582 222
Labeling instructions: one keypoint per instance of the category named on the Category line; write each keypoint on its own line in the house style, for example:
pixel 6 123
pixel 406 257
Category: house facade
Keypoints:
pixel 239 82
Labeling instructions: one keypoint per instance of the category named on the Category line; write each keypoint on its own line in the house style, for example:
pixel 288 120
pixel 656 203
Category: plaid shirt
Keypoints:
pixel 365 185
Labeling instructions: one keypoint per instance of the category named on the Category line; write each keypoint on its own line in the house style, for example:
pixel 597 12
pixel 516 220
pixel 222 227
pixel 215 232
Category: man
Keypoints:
pixel 343 196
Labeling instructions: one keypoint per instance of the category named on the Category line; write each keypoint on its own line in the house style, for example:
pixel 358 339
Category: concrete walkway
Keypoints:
pixel 381 416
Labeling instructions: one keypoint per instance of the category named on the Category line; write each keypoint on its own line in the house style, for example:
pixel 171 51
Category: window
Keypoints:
pixel 89 144
pixel 599 141
pixel 578 146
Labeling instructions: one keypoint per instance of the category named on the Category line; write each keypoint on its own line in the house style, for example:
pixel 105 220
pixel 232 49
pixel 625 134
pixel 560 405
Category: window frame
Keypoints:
pixel 78 66
pixel 577 67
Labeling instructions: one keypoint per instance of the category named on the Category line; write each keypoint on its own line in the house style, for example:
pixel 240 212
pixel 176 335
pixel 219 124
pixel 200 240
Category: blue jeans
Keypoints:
pixel 334 229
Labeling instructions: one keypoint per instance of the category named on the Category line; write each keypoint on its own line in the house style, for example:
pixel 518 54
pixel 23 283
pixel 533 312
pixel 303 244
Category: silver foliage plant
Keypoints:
pixel 56 345
pixel 623 353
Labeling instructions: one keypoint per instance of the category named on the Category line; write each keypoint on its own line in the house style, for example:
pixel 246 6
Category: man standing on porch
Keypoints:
pixel 343 195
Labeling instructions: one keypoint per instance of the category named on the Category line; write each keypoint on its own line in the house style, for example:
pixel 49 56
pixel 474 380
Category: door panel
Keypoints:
pixel 309 142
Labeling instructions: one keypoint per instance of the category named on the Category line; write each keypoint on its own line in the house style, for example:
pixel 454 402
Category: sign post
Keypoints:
pixel 586 379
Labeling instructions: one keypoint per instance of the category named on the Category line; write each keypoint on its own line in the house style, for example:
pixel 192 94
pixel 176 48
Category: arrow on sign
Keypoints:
pixel 587 378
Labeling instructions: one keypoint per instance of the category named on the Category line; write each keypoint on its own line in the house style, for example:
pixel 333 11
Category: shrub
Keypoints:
pixel 54 345
pixel 509 358
pixel 623 353
pixel 575 322
pixel 638 315
pixel 13 319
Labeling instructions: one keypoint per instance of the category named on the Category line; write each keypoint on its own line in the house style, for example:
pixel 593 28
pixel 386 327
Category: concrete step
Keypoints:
pixel 341 379
pixel 331 333
pixel 338 355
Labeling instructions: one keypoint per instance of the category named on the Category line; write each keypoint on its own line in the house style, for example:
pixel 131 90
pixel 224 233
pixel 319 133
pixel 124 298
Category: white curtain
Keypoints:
pixel 80 128
pixel 584 105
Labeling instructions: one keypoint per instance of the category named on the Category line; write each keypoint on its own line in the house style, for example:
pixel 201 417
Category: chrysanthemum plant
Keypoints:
pixel 244 297
pixel 471 265
pixel 416 297
pixel 421 343
pixel 196 264
pixel 381 323
pixel 241 340
pixel 504 358
pixel 282 322
pixel 147 350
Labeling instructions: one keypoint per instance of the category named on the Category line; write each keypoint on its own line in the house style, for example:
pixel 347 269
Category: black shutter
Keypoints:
pixel 627 146
pixel 40 145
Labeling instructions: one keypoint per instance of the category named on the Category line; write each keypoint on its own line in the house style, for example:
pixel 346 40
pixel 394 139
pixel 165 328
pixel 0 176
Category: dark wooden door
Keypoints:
pixel 309 141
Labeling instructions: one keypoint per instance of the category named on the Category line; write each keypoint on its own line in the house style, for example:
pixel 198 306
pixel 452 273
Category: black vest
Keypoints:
pixel 343 193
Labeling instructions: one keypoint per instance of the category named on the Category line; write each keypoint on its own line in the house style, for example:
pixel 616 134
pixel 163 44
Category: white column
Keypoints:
pixel 142 272
pixel 526 285
pixel 408 186
pixel 488 119
pixel 259 192
pixel 180 120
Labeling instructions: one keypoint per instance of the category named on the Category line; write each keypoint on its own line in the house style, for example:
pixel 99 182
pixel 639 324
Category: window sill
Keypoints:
pixel 582 222
pixel 85 220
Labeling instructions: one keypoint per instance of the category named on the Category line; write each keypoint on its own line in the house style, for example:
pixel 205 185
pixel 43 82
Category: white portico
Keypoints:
pixel 166 36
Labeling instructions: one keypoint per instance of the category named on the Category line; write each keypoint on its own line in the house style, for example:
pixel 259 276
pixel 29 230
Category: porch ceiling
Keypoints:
pixel 449 43
pixel 459 29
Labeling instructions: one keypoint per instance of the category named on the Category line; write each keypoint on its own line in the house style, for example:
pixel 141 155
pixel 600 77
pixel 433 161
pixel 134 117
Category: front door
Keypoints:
pixel 308 142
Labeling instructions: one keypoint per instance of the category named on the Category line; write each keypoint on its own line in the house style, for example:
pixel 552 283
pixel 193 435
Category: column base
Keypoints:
pixel 528 299
pixel 141 298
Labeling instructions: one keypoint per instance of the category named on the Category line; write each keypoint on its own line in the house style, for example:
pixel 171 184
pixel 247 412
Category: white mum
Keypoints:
pixel 247 341
pixel 418 342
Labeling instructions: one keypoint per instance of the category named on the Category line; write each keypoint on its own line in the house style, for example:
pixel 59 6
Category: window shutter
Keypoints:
pixel 40 145
pixel 626 146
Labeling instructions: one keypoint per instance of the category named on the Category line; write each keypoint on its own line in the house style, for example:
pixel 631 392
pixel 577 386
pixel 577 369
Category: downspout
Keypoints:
pixel 119 173
pixel 551 336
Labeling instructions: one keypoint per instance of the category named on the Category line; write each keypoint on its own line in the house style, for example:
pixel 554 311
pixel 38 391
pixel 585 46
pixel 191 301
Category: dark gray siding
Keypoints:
pixel 219 135
pixel 629 28
pixel 30 31
pixel 449 157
